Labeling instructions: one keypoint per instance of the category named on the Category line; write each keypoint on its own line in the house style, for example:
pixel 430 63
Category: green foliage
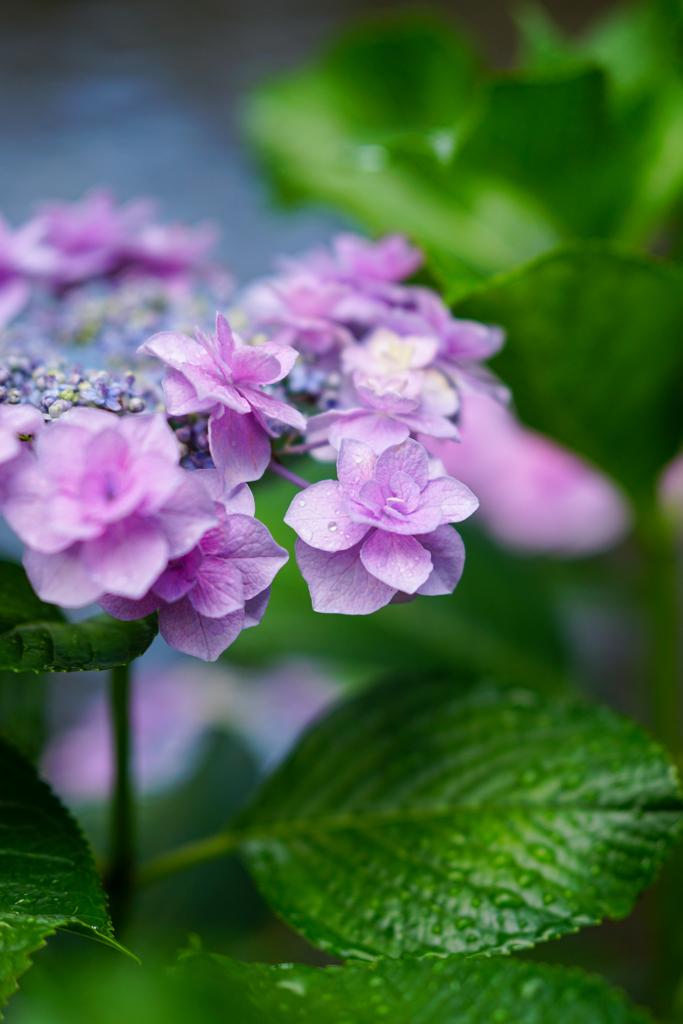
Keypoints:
pixel 401 127
pixel 47 876
pixel 436 816
pixel 595 354
pixel 428 991
pixel 98 643
pixel 18 603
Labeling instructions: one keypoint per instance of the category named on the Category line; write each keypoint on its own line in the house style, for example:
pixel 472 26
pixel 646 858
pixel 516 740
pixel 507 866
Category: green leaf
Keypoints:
pixel 374 129
pixel 437 816
pixel 428 991
pixel 18 603
pixel 594 354
pixel 47 876
pixel 97 643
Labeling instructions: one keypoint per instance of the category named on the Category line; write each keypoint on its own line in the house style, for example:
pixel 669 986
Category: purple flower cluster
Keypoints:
pixel 152 512
pixel 383 359
pixel 381 529
pixel 66 244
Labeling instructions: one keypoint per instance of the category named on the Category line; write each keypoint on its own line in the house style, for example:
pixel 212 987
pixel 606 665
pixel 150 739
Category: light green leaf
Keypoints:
pixel 433 816
pixel 375 129
pixel 428 991
pixel 47 876
pixel 98 643
pixel 594 354
pixel 18 602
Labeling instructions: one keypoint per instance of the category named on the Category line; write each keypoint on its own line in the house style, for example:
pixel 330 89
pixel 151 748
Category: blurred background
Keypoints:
pixel 146 98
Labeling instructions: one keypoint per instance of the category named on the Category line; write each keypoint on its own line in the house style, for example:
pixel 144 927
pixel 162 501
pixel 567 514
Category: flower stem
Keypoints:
pixel 298 481
pixel 663 604
pixel 188 856
pixel 120 873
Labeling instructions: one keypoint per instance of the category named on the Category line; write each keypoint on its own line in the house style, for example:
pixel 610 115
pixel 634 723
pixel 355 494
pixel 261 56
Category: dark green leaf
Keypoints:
pixel 440 817
pixel 97 643
pixel 47 876
pixel 428 991
pixel 18 603
pixel 594 354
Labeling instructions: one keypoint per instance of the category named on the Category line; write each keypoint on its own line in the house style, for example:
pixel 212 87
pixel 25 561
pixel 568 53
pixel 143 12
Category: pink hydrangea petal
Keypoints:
pixel 453 498
pixel 255 608
pixel 376 429
pixel 10 445
pixel 235 499
pixel 186 516
pixel 372 496
pixel 389 402
pixel 339 582
pixel 150 434
pixel 174 349
pixel 225 340
pixel 14 295
pixel 179 577
pixel 218 588
pixel 285 355
pixel 251 549
pixel 61 578
pixel 409 457
pixel 239 446
pixel 181 396
pixel 126 610
pixel 432 426
pixel 276 410
pixel 319 517
pixel 127 558
pixel 355 465
pixel 400 562
pixel 448 560
pixel 252 366
pixel 184 629
pixel 21 419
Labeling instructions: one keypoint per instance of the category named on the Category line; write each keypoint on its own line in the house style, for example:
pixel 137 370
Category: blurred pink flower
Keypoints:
pixel 171 712
pixel 534 495
pixel 102 506
pixel 671 488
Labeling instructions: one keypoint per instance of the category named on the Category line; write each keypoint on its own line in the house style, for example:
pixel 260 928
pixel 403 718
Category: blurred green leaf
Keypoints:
pixel 97 643
pixel 594 354
pixel 440 816
pixel 375 129
pixel 427 991
pixel 18 602
pixel 47 876
pixel 500 618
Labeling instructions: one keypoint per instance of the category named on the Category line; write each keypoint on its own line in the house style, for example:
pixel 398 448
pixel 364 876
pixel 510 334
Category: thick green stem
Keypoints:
pixel 121 870
pixel 188 856
pixel 663 603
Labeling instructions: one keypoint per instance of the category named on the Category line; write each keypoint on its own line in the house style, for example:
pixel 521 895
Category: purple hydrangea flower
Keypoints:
pixel 380 529
pixel 95 237
pixel 220 587
pixel 396 392
pixel 360 261
pixel 17 422
pixel 221 375
pixel 102 506
pixel 22 256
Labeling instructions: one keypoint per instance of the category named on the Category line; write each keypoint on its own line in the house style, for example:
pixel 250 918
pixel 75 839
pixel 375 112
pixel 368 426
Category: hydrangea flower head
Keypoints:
pixel 221 375
pixel 102 506
pixel 220 587
pixel 17 422
pixel 381 528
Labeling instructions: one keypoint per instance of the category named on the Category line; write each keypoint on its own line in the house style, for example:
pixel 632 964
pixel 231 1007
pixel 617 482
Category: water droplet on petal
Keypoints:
pixel 301 502
pixel 332 527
